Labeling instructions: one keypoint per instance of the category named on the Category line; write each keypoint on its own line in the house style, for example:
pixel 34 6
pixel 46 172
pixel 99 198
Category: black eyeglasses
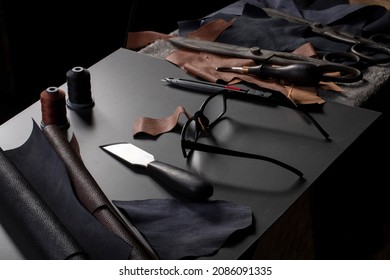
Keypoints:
pixel 211 111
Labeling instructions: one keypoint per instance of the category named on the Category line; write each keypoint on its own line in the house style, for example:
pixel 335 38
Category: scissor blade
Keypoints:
pixel 221 48
pixel 279 14
pixel 255 53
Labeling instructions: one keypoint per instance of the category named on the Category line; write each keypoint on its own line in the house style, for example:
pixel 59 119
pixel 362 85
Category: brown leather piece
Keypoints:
pixel 155 127
pixel 331 86
pixel 303 95
pixel 138 40
pixel 306 50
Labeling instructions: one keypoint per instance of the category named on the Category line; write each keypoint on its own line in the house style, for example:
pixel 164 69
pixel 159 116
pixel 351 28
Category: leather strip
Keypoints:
pixel 155 127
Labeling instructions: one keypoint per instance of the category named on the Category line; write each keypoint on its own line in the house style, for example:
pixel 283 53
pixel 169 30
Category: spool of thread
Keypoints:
pixel 53 107
pixel 79 89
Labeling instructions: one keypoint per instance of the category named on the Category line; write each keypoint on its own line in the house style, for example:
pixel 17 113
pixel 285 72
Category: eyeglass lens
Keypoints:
pixel 209 114
pixel 214 109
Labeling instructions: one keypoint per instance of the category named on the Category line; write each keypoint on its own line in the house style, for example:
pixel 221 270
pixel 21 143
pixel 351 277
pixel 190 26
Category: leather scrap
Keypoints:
pixel 155 127
pixel 178 230
pixel 306 49
pixel 138 40
pixel 303 95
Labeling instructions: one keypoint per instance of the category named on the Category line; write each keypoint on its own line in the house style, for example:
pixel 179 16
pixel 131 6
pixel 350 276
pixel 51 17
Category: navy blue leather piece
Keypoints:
pixel 254 28
pixel 178 230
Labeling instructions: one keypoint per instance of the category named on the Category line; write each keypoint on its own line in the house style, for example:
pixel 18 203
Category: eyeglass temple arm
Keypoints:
pixel 316 124
pixel 284 101
pixel 222 151
pixel 287 102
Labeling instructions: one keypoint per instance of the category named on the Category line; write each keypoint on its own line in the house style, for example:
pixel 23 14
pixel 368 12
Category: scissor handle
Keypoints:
pixel 381 38
pixel 346 58
pixel 375 49
pixel 372 52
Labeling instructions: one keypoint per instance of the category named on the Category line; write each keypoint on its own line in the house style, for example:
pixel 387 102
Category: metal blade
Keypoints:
pixel 279 14
pixel 221 48
pixel 255 53
pixel 233 69
pixel 129 153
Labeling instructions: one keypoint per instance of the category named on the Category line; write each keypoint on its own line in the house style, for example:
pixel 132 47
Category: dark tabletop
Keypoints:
pixel 127 85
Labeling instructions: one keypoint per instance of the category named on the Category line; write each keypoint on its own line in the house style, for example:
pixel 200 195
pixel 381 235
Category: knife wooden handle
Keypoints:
pixel 180 180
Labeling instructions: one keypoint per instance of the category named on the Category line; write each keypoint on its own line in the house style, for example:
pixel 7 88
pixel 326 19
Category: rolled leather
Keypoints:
pixel 32 225
pixel 42 167
pixel 91 195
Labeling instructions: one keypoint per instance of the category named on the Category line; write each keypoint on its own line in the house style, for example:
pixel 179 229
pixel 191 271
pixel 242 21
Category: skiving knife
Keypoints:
pixel 180 180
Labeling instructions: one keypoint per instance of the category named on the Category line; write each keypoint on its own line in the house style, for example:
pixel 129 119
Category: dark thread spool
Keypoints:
pixel 79 89
pixel 53 107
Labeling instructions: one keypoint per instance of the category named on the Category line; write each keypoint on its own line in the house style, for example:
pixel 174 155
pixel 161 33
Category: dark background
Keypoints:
pixel 40 40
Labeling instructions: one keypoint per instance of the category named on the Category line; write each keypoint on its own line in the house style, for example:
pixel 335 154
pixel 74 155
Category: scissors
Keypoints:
pixel 375 49
pixel 326 69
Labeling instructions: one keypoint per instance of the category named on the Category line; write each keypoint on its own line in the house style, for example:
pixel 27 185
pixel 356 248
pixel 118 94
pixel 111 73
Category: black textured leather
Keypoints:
pixel 39 163
pixel 35 229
